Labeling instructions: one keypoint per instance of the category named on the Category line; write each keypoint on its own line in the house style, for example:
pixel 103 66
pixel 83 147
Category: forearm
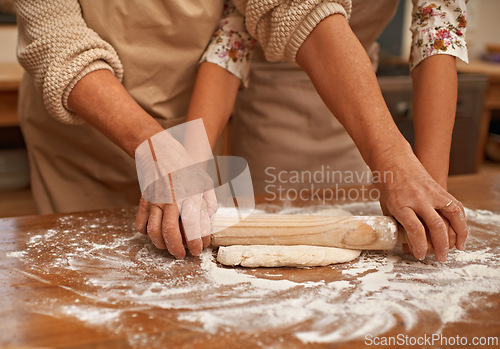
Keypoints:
pixel 104 103
pixel 343 76
pixel 213 98
pixel 434 106
pixel 55 46
pixel 341 72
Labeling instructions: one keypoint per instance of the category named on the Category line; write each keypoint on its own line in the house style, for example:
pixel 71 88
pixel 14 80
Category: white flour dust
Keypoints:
pixel 114 274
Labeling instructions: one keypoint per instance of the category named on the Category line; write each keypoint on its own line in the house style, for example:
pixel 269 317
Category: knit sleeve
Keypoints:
pixel 57 48
pixel 231 46
pixel 438 27
pixel 282 26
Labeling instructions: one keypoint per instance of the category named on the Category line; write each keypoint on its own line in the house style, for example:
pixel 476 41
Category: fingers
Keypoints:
pixel 141 219
pixel 452 236
pixel 161 224
pixel 434 236
pixel 211 202
pixel 205 225
pixel 455 214
pixel 154 228
pixel 408 249
pixel 420 243
pixel 209 207
pixel 415 231
pixel 438 233
pixel 190 217
pixel 171 232
pixel 430 246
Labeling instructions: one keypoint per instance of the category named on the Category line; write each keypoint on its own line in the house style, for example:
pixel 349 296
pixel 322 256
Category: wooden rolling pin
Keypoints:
pixel 352 232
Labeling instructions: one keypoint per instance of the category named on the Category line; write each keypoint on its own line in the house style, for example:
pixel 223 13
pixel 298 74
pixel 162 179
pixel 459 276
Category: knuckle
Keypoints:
pixel 170 219
pixel 436 224
pixel 415 228
pixel 152 230
pixel 395 210
pixel 169 228
pixel 398 202
pixel 419 196
pixel 456 210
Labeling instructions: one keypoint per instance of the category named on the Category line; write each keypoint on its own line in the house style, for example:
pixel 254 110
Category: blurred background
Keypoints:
pixel 476 138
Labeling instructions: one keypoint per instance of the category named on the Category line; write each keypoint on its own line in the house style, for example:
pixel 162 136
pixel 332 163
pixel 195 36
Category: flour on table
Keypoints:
pixel 112 275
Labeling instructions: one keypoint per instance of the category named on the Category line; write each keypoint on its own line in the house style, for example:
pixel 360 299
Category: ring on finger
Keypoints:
pixel 445 206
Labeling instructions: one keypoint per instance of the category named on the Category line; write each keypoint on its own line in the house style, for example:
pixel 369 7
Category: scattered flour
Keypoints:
pixel 230 276
pixel 15 254
pixel 97 316
pixel 106 267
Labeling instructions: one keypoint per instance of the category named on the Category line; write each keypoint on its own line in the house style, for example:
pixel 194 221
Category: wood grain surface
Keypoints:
pixel 87 280
pixel 351 232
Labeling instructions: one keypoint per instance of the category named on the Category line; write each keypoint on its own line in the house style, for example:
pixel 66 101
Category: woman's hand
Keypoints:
pixel 162 223
pixel 433 219
pixel 178 197
pixel 452 238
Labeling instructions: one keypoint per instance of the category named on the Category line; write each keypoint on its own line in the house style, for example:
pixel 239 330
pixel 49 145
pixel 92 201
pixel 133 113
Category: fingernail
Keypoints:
pixel 462 246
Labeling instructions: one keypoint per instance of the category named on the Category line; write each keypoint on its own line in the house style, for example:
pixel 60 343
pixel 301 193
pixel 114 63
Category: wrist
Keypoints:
pixel 148 129
pixel 393 154
pixel 437 165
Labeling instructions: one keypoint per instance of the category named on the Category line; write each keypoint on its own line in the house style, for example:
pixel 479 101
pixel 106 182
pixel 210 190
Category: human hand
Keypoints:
pixel 162 223
pixel 452 238
pixel 433 219
pixel 178 197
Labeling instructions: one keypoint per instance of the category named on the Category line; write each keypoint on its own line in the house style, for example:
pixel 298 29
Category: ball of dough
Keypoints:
pixel 253 256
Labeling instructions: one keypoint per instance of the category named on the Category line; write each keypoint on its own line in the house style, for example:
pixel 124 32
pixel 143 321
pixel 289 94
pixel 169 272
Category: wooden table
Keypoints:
pixel 86 280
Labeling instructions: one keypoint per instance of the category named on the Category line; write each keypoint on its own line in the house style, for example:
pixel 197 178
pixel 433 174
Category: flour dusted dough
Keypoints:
pixel 284 256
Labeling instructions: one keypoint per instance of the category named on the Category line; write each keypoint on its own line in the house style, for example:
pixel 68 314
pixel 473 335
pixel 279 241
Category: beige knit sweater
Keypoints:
pixel 281 26
pixel 57 48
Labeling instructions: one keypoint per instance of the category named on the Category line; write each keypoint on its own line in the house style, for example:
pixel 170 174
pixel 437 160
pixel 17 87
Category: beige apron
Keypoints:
pixel 280 124
pixel 159 43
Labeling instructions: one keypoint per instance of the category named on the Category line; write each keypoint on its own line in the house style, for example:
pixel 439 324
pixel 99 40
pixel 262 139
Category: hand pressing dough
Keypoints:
pixel 253 256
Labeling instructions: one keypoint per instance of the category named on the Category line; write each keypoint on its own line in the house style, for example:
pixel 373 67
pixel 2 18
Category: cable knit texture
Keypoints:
pixel 281 26
pixel 57 48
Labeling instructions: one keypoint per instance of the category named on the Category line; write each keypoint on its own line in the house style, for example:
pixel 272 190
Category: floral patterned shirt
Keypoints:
pixel 438 27
pixel 231 46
